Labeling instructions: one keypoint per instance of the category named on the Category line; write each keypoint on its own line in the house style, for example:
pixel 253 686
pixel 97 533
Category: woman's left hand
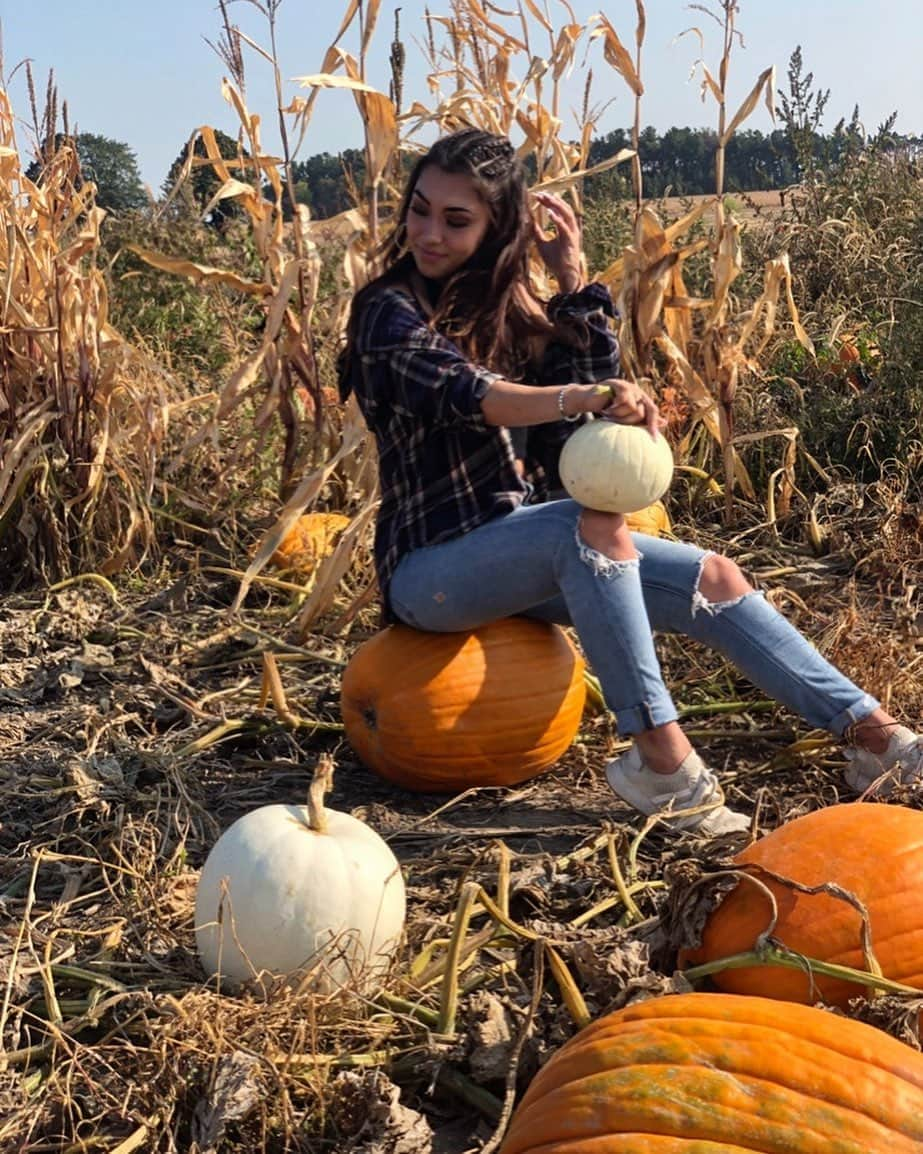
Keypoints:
pixel 561 250
pixel 628 404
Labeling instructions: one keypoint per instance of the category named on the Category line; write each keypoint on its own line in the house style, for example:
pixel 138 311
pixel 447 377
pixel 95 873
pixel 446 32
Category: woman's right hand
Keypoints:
pixel 615 400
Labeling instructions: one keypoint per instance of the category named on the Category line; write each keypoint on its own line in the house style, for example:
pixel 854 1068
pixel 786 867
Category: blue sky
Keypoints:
pixel 142 73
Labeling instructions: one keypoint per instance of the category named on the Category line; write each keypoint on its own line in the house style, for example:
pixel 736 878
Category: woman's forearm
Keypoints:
pixel 516 406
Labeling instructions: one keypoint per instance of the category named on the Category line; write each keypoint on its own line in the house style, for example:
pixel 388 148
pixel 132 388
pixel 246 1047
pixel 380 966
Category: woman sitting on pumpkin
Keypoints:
pixel 449 352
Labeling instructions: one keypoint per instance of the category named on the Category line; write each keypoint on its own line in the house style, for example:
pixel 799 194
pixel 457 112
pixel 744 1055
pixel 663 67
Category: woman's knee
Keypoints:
pixel 721 579
pixel 607 533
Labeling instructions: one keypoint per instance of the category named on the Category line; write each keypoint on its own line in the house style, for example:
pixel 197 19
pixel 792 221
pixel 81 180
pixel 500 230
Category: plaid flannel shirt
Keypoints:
pixel 443 469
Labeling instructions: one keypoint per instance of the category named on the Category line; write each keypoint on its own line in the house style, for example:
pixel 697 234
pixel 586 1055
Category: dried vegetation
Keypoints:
pixel 139 719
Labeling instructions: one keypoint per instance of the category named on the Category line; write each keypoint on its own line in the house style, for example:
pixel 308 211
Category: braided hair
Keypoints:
pixel 487 307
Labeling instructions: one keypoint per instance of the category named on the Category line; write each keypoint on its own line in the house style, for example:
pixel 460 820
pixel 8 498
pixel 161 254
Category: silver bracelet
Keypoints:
pixel 564 416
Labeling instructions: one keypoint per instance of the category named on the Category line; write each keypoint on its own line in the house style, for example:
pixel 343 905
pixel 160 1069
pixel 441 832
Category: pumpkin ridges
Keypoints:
pixel 492 707
pixel 686 1102
pixel 615 467
pixel 635 1143
pixel 585 1094
pixel 349 891
pixel 874 851
pixel 591 1051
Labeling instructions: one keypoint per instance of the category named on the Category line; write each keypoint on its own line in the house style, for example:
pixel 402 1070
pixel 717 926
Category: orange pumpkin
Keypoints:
pixel 849 352
pixel 718 1074
pixel 312 538
pixel 447 711
pixel 653 520
pixel 875 852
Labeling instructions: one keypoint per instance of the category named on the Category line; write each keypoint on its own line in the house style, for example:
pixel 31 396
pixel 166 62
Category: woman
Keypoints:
pixel 447 351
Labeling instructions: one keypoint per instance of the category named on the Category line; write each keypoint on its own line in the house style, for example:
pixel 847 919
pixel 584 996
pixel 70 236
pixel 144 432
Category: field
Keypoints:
pixel 113 793
pixel 759 206
pixel 159 677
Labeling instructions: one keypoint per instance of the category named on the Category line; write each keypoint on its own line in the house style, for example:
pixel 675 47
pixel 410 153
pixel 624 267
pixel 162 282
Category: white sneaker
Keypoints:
pixel 900 764
pixel 691 787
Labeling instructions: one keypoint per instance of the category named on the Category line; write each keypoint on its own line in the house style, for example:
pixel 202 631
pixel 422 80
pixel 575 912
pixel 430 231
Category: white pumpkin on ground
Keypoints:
pixel 615 468
pixel 288 887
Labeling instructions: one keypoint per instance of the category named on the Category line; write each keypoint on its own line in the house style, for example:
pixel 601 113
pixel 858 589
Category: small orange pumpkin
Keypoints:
pixel 719 1074
pixel 875 852
pixel 312 538
pixel 654 520
pixel 440 712
pixel 849 352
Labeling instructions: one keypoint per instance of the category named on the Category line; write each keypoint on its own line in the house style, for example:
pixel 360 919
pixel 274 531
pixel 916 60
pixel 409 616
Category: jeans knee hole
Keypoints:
pixel 600 564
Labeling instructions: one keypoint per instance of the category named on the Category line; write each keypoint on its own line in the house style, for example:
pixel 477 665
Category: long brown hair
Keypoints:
pixel 487 307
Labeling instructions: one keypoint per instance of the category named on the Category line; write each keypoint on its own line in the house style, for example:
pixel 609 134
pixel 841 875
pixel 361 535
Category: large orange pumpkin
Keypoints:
pixel 875 852
pixel 447 711
pixel 719 1074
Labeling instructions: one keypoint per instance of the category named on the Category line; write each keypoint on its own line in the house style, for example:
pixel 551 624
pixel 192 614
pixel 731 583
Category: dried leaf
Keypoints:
pixel 236 1092
pixel 233 190
pixel 302 498
pixel 617 54
pixel 239 383
pixel 371 19
pixel 370 1105
pixel 727 267
pixel 201 273
pixel 800 331
pixel 475 9
pixel 348 17
pixel 711 85
pixel 381 132
pixel 330 80
pixel 641 27
pixel 334 568
pixel 218 163
pixel 766 82
pixel 572 177
pixel 564 49
pixel 539 15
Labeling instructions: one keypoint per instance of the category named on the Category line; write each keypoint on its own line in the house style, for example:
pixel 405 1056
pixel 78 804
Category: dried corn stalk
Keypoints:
pixel 500 69
pixel 82 418
pixel 704 344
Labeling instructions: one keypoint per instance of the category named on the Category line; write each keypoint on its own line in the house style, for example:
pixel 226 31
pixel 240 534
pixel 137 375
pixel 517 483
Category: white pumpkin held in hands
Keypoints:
pixel 615 468
pixel 288 887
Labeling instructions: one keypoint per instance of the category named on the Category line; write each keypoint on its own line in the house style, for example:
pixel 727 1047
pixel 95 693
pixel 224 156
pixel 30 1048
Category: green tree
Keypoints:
pixel 109 164
pixel 325 182
pixel 203 182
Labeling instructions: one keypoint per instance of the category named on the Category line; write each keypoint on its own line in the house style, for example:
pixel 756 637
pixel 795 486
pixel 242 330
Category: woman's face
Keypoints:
pixel 446 221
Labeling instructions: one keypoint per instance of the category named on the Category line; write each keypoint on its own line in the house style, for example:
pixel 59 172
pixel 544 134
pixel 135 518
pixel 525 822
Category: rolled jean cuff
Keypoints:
pixel 646 715
pixel 855 713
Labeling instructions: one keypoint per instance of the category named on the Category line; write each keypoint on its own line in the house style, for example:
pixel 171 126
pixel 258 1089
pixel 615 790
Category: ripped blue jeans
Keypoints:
pixel 533 563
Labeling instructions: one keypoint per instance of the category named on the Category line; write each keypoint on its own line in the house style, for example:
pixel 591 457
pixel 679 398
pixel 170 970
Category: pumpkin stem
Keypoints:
pixel 321 783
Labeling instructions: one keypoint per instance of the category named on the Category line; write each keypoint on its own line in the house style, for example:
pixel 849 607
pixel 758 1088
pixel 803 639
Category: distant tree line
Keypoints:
pixel 678 162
